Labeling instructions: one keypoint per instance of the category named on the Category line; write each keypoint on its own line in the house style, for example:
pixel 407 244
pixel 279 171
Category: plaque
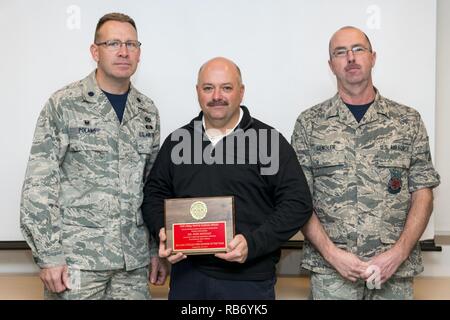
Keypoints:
pixel 199 225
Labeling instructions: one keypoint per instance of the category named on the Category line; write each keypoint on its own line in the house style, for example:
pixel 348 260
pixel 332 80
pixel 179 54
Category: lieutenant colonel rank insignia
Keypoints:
pixel 395 182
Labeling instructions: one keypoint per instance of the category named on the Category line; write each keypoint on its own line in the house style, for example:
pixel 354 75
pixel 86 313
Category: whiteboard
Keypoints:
pixel 281 47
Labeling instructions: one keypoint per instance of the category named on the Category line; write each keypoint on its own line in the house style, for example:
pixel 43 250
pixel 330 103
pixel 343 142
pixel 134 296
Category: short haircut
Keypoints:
pixel 235 65
pixel 350 27
pixel 114 16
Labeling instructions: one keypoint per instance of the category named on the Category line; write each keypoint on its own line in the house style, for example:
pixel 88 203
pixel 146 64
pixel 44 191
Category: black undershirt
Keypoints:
pixel 118 102
pixel 358 110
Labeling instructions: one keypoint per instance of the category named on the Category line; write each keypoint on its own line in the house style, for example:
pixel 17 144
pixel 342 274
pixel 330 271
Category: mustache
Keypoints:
pixel 215 103
pixel 352 66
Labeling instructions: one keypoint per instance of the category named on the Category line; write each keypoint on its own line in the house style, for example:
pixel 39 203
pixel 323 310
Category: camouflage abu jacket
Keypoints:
pixel 83 187
pixel 361 175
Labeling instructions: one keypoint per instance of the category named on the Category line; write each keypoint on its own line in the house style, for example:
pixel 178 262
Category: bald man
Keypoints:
pixel 271 196
pixel 368 165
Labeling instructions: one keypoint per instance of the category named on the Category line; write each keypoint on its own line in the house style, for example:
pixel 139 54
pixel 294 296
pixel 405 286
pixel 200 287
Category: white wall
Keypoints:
pixel 436 263
pixel 442 159
pixel 281 47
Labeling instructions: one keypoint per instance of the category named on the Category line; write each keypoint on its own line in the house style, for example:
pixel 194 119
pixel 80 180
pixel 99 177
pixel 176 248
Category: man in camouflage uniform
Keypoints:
pixel 368 165
pixel 80 208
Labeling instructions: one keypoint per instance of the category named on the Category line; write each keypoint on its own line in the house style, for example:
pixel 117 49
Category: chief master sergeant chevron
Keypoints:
pixel 94 145
pixel 368 165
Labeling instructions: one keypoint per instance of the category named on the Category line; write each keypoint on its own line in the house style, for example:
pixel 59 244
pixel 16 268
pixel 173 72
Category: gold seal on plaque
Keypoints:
pixel 198 210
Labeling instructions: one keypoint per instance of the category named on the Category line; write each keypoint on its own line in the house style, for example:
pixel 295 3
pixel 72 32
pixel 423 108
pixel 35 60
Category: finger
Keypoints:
pixel 221 255
pixel 153 274
pixel 232 256
pixel 65 278
pixel 44 281
pixel 351 277
pixel 162 234
pixel 51 282
pixel 233 244
pixel 162 275
pixel 164 253
pixel 162 246
pixel 368 272
pixel 237 241
pixel 176 257
pixel 60 286
pixel 49 285
pixel 363 266
pixel 57 283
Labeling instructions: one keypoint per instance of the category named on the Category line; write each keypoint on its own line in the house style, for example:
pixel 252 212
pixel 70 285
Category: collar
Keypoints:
pixel 215 138
pixel 98 101
pixel 339 109
pixel 245 122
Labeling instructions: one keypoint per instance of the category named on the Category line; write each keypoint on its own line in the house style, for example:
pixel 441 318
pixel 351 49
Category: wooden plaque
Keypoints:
pixel 199 225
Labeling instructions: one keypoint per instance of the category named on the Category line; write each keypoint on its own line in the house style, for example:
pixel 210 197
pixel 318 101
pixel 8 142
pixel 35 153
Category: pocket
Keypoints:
pixel 327 163
pixel 330 174
pixel 87 135
pixel 145 144
pixel 393 174
pixel 328 170
pixel 386 161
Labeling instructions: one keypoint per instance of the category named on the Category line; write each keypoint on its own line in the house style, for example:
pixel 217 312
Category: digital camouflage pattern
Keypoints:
pixel 334 287
pixel 361 175
pixel 105 285
pixel 83 187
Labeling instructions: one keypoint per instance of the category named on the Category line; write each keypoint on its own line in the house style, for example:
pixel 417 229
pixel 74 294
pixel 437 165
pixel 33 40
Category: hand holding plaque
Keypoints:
pixel 199 225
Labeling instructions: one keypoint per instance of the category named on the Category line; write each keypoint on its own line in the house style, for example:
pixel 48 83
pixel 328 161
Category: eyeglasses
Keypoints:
pixel 357 50
pixel 115 45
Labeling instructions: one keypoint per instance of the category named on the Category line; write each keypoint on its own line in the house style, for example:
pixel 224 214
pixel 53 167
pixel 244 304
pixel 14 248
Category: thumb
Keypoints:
pixel 65 278
pixel 234 242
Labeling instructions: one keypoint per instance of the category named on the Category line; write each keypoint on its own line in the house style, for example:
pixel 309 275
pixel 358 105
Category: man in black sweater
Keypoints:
pixel 271 195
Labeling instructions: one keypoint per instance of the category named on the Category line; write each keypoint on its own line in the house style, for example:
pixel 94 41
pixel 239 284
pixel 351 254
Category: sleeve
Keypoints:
pixel 300 143
pixel 40 218
pixel 421 173
pixel 156 190
pixel 292 206
pixel 154 246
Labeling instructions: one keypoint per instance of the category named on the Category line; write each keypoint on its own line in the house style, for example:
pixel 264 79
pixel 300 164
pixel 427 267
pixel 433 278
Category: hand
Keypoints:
pixel 167 253
pixel 348 265
pixel 386 264
pixel 55 279
pixel 237 250
pixel 158 271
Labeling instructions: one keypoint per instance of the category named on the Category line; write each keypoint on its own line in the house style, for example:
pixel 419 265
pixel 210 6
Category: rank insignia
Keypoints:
pixel 395 182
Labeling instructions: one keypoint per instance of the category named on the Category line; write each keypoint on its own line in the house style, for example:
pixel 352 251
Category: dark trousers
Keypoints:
pixel 189 283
